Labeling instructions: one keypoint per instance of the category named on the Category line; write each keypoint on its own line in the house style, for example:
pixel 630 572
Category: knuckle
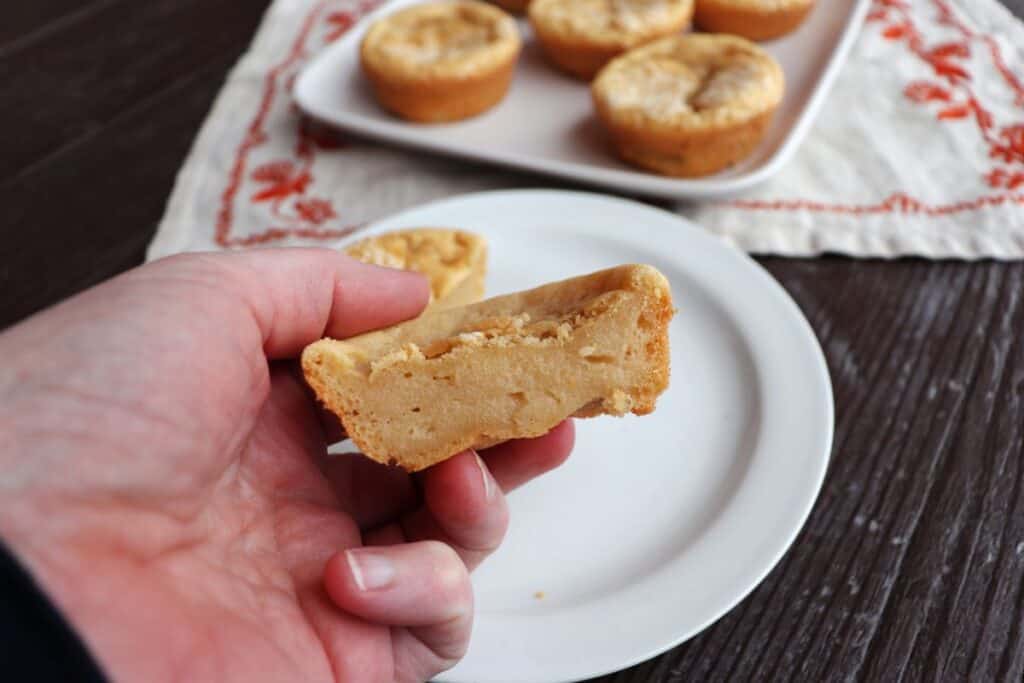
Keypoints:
pixel 451 577
pixel 490 538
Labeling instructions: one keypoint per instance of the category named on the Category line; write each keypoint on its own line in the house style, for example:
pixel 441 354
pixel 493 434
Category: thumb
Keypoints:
pixel 296 296
pixel 423 585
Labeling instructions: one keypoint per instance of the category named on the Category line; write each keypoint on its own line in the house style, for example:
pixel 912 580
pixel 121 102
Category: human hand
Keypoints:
pixel 163 474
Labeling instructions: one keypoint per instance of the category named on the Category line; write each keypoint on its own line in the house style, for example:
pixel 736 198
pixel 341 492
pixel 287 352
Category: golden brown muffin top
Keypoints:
pixel 455 38
pixel 689 82
pixel 610 22
pixel 445 256
pixel 764 5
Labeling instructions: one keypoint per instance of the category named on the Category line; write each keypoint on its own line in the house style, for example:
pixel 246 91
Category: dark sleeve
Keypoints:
pixel 36 643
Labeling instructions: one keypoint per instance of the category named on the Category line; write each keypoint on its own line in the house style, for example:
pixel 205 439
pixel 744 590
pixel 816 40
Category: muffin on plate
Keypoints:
pixel 688 105
pixel 441 61
pixel 454 261
pixel 581 36
pixel 753 19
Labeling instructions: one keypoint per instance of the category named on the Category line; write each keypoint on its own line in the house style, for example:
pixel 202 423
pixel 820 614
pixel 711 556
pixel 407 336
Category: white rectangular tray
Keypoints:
pixel 545 123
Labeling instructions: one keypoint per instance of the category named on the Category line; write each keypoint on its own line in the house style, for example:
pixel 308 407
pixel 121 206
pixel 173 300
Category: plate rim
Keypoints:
pixel 816 364
pixel 630 180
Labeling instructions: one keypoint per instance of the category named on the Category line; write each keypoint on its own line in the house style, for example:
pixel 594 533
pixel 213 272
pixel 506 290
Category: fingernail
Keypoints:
pixel 486 476
pixel 371 571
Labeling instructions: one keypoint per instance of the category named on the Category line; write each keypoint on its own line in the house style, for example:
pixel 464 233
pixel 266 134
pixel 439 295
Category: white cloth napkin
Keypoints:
pixel 919 149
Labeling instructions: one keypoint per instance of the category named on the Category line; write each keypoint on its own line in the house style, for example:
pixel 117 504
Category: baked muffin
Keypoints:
pixel 509 367
pixel 581 36
pixel 441 61
pixel 514 6
pixel 454 261
pixel 753 19
pixel 688 105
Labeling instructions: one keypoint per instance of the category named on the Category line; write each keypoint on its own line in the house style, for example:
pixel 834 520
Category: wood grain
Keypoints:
pixel 911 566
pixel 75 77
pixel 26 22
pixel 89 212
pixel 1015 6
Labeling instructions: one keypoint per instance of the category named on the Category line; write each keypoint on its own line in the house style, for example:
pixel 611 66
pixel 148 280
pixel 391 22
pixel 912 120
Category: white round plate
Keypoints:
pixel 656 526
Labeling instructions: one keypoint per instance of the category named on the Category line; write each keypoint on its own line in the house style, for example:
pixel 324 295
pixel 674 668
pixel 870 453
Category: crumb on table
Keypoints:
pixel 539 595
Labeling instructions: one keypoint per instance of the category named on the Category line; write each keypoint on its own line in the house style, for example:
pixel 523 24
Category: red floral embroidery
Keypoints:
pixel 896 203
pixel 284 186
pixel 1010 147
pixel 958 102
pixel 282 181
pixel 1001 177
pixel 947 69
pixel 315 210
pixel 922 91
pixel 897 31
pixel 981 115
pixel 961 50
pixel 961 102
pixel 880 12
pixel 273 172
pixel 959 111
pixel 340 22
pixel 947 18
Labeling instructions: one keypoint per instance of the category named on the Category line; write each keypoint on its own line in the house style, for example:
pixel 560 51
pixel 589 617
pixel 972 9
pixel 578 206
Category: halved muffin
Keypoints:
pixel 509 367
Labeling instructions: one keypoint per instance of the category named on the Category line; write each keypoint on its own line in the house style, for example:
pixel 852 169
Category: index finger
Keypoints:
pixel 514 463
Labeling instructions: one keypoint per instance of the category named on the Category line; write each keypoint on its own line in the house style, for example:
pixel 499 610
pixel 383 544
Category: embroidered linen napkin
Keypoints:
pixel 919 149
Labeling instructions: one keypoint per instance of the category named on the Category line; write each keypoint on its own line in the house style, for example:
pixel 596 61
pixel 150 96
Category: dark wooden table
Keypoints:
pixel 912 563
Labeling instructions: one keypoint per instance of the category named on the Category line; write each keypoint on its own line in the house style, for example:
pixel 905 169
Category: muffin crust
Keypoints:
pixel 581 36
pixel 441 61
pixel 689 105
pixel 753 19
